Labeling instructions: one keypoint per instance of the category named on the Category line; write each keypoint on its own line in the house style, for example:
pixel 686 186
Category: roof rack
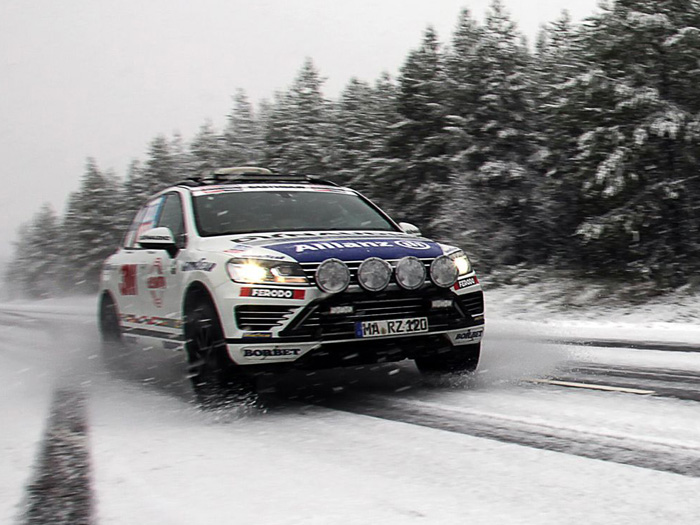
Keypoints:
pixel 249 174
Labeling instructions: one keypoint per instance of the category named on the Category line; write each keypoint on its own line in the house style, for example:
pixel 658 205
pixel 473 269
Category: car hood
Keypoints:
pixel 310 247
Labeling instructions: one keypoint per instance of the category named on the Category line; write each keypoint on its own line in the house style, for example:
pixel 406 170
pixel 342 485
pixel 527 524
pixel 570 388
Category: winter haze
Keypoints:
pixel 100 79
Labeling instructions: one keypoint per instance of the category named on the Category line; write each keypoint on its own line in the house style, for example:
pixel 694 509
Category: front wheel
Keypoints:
pixel 451 360
pixel 215 378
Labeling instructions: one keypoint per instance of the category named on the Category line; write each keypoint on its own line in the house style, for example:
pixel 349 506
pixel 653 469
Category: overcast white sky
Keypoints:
pixel 101 78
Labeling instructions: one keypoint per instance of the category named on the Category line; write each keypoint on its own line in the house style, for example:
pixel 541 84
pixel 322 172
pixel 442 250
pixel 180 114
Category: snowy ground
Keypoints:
pixel 157 459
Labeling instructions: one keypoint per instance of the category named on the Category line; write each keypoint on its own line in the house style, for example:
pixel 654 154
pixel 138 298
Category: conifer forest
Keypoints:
pixel 577 152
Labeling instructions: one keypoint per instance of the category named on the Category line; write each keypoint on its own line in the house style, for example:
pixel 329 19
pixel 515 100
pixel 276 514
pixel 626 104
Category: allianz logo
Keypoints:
pixel 320 246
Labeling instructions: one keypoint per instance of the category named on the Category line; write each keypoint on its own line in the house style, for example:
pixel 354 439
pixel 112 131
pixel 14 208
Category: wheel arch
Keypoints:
pixel 106 295
pixel 109 323
pixel 197 291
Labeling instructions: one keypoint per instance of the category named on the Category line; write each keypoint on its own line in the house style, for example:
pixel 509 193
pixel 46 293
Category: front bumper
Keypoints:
pixel 323 332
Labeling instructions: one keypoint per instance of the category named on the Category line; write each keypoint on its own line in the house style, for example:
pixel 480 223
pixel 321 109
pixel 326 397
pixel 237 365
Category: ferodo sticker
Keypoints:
pixel 273 293
pixel 466 283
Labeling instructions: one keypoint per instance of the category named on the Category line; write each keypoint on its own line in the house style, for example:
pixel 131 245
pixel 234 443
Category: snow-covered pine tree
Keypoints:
pixel 241 141
pixel 418 144
pixel 205 151
pixel 363 119
pixel 298 133
pixel 560 118
pixel 89 233
pixel 352 130
pixel 638 160
pixel 135 190
pixel 160 169
pixel 37 263
pixel 491 138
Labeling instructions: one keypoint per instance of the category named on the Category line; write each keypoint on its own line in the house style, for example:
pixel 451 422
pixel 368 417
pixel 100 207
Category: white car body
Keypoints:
pixel 280 323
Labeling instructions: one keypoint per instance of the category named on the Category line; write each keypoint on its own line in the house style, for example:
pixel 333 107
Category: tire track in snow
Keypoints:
pixel 625 343
pixel 60 491
pixel 661 455
pixel 678 384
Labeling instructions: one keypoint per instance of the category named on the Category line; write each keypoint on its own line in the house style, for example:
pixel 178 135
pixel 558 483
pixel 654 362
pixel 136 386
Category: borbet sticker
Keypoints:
pixel 275 353
pixel 469 336
pixel 273 293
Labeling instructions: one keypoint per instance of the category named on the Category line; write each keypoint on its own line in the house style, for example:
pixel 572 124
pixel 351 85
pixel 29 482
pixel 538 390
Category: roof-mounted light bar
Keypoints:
pixel 250 174
pixel 240 170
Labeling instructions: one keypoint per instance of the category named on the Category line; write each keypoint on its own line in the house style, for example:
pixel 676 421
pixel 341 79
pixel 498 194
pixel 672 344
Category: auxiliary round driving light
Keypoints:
pixel 374 274
pixel 410 273
pixel 333 276
pixel 443 271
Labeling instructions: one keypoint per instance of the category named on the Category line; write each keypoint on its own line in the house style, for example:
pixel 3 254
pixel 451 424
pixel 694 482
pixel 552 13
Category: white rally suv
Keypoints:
pixel 246 270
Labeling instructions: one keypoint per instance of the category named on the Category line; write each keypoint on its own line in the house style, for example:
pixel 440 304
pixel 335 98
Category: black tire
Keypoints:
pixel 451 360
pixel 112 342
pixel 216 380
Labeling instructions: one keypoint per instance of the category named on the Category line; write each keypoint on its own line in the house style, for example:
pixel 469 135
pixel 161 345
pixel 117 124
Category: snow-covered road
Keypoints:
pixel 544 432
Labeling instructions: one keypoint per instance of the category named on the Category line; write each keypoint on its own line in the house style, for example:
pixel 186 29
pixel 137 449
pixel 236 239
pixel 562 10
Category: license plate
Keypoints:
pixel 393 327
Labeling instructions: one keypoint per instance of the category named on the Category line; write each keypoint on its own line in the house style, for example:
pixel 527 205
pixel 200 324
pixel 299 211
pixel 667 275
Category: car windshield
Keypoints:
pixel 238 212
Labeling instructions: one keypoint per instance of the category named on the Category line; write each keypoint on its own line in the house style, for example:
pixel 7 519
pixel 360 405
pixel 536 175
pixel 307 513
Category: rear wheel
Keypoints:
pixel 112 343
pixel 453 359
pixel 216 380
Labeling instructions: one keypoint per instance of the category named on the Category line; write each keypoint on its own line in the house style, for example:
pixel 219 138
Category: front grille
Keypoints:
pixel 472 303
pixel 261 317
pixel 316 322
pixel 310 269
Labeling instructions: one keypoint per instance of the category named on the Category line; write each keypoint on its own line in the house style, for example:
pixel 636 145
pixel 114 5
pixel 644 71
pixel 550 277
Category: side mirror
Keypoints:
pixel 409 228
pixel 158 239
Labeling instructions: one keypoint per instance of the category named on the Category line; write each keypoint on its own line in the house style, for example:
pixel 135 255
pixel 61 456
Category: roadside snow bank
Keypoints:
pixel 558 309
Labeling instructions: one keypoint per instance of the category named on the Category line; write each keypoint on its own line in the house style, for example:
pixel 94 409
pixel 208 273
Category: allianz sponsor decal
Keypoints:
pixel 334 245
pixel 357 249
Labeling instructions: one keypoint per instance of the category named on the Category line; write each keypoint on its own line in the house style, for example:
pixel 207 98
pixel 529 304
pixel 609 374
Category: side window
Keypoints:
pixel 145 220
pixel 171 217
pixel 130 237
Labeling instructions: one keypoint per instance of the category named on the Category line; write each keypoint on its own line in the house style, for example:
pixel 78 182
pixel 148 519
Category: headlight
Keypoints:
pixel 443 271
pixel 259 271
pixel 333 276
pixel 410 273
pixel 464 266
pixel 374 274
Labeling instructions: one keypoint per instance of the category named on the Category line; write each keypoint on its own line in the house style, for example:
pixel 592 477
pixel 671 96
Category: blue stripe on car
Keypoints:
pixel 356 249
